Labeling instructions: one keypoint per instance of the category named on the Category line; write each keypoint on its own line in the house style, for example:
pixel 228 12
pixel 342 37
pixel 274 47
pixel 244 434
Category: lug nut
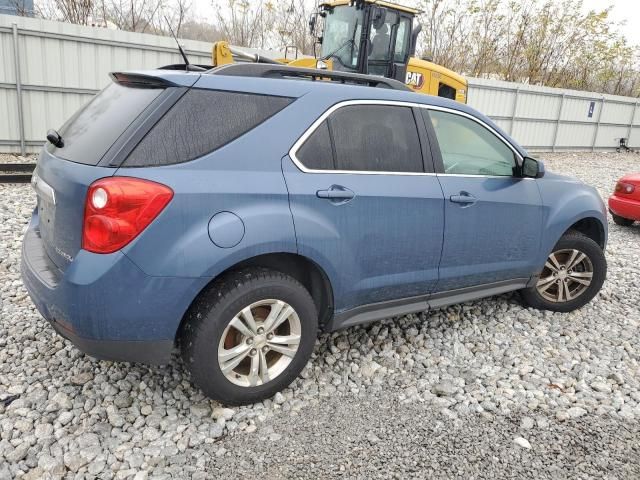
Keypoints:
pixel 253 352
pixel 260 331
pixel 265 349
pixel 269 336
pixel 249 341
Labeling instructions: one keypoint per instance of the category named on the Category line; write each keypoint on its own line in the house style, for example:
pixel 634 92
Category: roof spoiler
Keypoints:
pixel 140 80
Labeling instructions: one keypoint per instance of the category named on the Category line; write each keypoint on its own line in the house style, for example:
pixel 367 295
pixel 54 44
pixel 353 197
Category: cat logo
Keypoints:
pixel 414 80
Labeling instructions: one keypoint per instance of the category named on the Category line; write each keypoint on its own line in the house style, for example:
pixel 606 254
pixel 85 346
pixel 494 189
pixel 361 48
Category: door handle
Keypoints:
pixel 464 198
pixel 336 192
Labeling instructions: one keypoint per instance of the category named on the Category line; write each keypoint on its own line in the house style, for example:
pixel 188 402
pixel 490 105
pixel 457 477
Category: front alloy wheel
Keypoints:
pixel 572 275
pixel 567 274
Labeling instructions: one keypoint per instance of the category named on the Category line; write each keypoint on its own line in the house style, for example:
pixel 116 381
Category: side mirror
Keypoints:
pixel 312 23
pixel 532 168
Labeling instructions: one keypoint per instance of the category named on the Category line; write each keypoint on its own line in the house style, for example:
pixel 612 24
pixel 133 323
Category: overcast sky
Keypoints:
pixel 628 10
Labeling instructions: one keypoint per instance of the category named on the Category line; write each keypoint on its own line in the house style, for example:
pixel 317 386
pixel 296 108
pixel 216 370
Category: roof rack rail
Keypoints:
pixel 283 71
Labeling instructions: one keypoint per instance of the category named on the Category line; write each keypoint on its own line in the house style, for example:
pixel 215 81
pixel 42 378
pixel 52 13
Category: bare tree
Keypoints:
pixel 74 11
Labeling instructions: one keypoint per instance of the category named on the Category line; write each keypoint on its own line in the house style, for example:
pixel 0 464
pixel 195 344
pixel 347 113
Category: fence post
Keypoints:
pixel 513 113
pixel 555 133
pixel 16 58
pixel 633 116
pixel 595 133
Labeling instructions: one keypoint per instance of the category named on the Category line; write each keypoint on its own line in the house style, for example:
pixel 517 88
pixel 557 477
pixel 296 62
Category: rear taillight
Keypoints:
pixel 625 188
pixel 117 209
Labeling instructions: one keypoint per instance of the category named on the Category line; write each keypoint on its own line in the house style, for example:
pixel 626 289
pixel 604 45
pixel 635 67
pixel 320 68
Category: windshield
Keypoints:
pixel 341 37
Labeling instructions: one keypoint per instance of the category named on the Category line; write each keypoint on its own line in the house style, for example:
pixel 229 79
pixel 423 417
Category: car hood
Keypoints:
pixel 562 178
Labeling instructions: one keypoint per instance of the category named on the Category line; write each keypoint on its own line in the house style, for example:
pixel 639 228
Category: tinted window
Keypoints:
pixel 376 138
pixel 402 40
pixel 201 122
pixel 446 91
pixel 89 133
pixel 469 148
pixel 316 152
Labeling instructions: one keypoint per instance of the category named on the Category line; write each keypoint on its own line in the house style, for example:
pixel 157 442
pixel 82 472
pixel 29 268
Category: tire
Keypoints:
pixel 537 297
pixel 202 342
pixel 624 222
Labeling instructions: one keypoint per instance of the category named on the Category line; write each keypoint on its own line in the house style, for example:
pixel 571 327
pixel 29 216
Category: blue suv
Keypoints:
pixel 233 214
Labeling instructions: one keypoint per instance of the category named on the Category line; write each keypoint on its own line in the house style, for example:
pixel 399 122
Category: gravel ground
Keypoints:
pixel 480 390
pixel 9 158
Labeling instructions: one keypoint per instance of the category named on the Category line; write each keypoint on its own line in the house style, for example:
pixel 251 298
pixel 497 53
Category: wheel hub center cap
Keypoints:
pixel 260 340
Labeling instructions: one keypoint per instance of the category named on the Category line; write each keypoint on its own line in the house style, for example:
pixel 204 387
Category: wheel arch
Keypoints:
pixel 303 269
pixel 590 227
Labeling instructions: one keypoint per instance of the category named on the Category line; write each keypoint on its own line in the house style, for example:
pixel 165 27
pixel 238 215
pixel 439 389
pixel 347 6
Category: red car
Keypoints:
pixel 624 204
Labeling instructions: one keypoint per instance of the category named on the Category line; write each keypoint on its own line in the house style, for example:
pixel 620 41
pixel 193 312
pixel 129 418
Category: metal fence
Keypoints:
pixel 50 69
pixel 553 119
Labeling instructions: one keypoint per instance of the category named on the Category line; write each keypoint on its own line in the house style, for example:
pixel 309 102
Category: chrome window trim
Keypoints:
pixel 396 103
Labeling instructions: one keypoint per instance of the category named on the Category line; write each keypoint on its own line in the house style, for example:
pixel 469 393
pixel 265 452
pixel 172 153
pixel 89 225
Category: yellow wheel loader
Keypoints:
pixel 370 37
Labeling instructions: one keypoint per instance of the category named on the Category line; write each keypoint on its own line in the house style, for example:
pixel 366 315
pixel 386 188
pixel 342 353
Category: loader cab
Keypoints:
pixel 367 37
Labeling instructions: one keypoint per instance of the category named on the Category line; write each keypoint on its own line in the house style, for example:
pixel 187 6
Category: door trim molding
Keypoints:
pixel 394 308
pixel 296 146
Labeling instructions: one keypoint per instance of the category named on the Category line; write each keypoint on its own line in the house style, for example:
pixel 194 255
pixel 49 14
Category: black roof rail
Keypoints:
pixel 190 68
pixel 264 70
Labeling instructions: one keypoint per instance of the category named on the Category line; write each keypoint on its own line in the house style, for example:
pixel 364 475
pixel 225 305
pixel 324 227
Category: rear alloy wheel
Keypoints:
pixel 572 275
pixel 249 335
pixel 259 343
pixel 624 222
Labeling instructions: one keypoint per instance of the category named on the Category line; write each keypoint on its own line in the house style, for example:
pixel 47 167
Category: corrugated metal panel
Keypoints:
pixel 550 118
pixel 534 135
pixel 62 65
pixel 571 135
pixel 76 59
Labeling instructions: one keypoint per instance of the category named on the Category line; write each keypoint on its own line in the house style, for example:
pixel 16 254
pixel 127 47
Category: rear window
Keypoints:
pixel 89 133
pixel 203 121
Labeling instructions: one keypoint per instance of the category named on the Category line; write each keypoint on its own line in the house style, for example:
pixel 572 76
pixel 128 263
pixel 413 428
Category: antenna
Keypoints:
pixel 187 65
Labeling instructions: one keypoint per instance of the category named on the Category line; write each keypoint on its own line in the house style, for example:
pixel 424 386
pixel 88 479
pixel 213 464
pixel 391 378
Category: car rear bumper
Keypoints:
pixel 106 305
pixel 624 207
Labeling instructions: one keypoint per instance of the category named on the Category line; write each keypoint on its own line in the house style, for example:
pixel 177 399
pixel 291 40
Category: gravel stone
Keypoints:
pixel 522 442
pixel 576 412
pixel 527 423
pixel 457 382
pixel 444 389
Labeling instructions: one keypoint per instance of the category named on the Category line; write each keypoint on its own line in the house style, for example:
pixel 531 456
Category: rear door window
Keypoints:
pixel 317 152
pixel 89 133
pixel 366 138
pixel 203 121
pixel 376 138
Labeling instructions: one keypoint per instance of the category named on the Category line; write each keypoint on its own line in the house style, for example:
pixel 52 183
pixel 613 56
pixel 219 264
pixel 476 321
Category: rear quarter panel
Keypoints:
pixel 243 177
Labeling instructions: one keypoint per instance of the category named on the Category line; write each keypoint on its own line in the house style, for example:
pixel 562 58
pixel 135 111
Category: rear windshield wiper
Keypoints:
pixel 55 138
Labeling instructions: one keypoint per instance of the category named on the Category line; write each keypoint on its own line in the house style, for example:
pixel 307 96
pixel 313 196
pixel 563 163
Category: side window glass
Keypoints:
pixel 380 37
pixel 402 40
pixel 316 153
pixel 469 148
pixel 366 138
pixel 378 138
pixel 446 91
pixel 190 129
